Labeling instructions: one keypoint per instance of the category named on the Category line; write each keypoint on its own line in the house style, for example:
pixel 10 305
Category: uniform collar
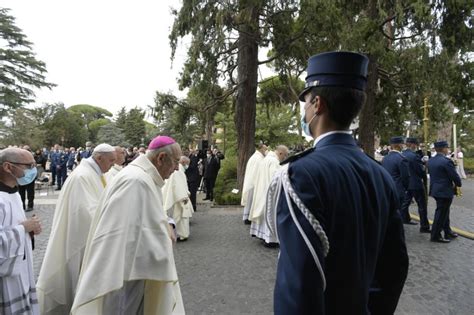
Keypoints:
pixel 334 137
pixel 145 164
pixel 8 189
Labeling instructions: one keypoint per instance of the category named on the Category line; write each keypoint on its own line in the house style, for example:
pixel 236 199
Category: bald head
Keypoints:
pixel 13 163
pixel 282 152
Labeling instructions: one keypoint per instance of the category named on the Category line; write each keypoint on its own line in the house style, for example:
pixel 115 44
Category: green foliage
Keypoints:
pixel 65 127
pixel 134 127
pixel 20 71
pixel 469 165
pixel 226 181
pixel 274 127
pixel 22 129
pixel 112 135
pixel 93 116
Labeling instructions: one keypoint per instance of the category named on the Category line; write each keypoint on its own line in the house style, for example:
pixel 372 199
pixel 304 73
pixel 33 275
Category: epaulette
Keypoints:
pixel 296 156
pixel 372 158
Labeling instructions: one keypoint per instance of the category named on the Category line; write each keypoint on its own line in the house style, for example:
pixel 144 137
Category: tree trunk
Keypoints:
pixel 246 98
pixel 367 114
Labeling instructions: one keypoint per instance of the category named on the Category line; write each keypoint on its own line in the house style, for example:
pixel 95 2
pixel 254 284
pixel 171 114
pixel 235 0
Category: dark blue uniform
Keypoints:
pixel 61 168
pixel 54 158
pixel 416 188
pixel 397 166
pixel 356 202
pixel 443 177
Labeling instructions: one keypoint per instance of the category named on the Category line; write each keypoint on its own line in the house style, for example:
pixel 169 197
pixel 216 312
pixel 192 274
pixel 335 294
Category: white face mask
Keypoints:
pixel 208 155
pixel 186 167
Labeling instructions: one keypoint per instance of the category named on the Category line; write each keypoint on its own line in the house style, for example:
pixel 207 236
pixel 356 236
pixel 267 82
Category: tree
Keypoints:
pixel 64 127
pixel 94 117
pixel 20 71
pixel 226 36
pixel 134 127
pixel 22 128
pixel 112 135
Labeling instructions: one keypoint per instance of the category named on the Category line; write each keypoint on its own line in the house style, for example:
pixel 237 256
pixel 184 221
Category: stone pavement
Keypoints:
pixel 223 270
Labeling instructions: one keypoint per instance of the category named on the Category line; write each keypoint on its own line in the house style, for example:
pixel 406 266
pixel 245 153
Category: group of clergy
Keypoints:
pixel 260 169
pixel 111 245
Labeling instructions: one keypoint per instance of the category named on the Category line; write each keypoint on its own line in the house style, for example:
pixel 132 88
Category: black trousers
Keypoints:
pixel 193 187
pixel 61 176
pixel 419 195
pixel 210 183
pixel 441 217
pixel 27 190
pixel 53 174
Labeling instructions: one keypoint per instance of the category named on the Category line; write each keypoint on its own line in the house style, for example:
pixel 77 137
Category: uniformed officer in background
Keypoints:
pixel 342 244
pixel 443 181
pixel 416 188
pixel 397 166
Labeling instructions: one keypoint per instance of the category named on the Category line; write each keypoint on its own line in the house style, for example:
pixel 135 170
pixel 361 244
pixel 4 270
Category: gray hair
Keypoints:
pixel 168 149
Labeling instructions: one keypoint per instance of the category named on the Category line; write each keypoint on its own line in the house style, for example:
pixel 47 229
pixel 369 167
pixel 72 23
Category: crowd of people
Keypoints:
pixel 335 213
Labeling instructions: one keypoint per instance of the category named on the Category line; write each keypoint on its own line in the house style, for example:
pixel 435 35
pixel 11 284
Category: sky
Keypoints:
pixel 103 53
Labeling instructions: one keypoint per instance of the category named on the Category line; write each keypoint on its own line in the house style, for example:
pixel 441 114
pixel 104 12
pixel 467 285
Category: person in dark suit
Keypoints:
pixel 443 180
pixel 397 166
pixel 342 244
pixel 211 169
pixel 193 177
pixel 416 188
pixel 54 159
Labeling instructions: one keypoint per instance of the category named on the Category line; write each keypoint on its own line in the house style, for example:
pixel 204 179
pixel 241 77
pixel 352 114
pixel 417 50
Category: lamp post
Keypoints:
pixel 425 119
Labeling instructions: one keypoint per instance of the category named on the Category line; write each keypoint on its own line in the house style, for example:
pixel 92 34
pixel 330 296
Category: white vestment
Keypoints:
pixel 17 282
pixel 75 209
pixel 129 243
pixel 266 168
pixel 249 182
pixel 112 172
pixel 175 192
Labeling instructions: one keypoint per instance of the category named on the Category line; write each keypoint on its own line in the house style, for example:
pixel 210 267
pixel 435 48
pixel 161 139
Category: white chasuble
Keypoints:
pixel 75 209
pixel 128 243
pixel 17 283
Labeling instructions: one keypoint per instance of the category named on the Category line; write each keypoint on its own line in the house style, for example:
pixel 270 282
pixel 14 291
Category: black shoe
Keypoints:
pixel 247 222
pixel 59 188
pixel 425 230
pixel 206 199
pixel 450 235
pixel 271 245
pixel 410 223
pixel 440 240
pixel 29 209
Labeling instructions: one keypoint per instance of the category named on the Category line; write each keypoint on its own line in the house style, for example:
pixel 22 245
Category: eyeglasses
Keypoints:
pixel 28 165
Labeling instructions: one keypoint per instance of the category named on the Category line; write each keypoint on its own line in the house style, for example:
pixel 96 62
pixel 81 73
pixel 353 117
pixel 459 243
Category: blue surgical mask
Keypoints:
pixel 28 177
pixel 305 125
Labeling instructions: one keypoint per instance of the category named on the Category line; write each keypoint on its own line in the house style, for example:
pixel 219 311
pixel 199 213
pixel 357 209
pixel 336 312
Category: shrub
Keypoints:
pixel 469 165
pixel 226 181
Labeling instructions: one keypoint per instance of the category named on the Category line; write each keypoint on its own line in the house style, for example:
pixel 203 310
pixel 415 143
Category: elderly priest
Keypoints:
pixel 176 199
pixel 128 265
pixel 75 209
pixel 17 281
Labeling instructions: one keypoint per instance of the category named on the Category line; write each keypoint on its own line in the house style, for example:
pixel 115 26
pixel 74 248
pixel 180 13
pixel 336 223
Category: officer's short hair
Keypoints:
pixel 344 104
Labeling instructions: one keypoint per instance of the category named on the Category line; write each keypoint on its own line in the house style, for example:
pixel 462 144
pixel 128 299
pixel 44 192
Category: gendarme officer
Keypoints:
pixel 342 245
pixel 397 166
pixel 416 188
pixel 443 180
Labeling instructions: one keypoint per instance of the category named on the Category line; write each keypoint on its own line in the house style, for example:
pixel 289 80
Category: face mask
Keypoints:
pixel 28 177
pixel 305 125
pixel 208 155
pixel 186 167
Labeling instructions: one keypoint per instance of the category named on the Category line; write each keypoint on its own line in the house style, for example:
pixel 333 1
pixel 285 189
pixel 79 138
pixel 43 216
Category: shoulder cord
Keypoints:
pixel 283 177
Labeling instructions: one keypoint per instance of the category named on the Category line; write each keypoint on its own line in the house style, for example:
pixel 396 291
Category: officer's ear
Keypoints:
pixel 320 105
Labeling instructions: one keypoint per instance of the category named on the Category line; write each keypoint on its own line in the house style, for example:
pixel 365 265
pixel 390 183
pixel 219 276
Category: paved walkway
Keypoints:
pixel 223 270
